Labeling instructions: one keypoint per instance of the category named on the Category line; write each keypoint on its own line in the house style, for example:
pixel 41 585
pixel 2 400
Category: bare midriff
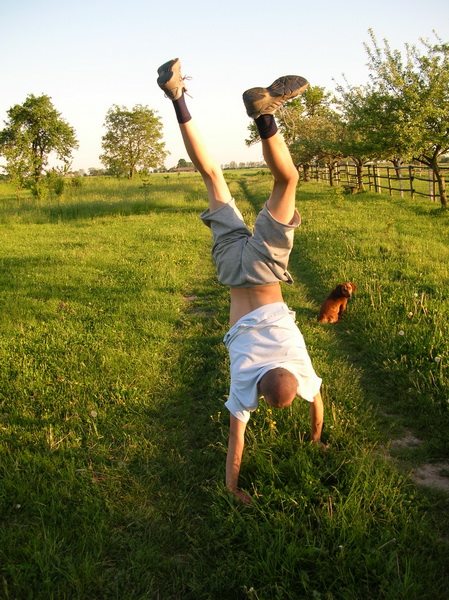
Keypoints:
pixel 245 300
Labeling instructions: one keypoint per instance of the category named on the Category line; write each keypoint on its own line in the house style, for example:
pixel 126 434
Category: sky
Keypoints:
pixel 92 54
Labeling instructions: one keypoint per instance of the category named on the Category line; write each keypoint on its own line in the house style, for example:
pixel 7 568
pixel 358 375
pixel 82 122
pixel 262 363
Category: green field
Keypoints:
pixel 113 431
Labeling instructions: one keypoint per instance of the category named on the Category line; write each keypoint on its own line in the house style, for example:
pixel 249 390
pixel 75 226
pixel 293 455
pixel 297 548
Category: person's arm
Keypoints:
pixel 234 458
pixel 316 420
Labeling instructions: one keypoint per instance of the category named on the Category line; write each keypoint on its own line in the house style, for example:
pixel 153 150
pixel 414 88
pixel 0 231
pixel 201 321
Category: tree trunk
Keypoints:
pixel 306 168
pixel 441 183
pixel 359 168
pixel 397 162
pixel 432 162
pixel 331 167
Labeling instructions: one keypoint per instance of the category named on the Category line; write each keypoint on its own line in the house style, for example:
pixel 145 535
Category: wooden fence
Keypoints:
pixel 381 178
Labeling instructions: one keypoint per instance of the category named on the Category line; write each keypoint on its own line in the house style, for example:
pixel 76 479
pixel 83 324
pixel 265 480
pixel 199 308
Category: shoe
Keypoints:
pixel 170 79
pixel 265 101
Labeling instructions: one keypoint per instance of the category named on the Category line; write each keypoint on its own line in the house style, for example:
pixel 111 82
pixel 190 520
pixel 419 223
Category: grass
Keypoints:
pixel 113 378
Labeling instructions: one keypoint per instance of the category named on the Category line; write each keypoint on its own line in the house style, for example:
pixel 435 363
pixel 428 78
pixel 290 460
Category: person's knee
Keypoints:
pixel 211 173
pixel 278 386
pixel 288 178
pixel 294 175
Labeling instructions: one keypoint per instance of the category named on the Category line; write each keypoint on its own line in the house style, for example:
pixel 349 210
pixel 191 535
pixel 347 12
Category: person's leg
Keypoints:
pixel 172 83
pixel 281 203
pixel 217 188
pixel 261 104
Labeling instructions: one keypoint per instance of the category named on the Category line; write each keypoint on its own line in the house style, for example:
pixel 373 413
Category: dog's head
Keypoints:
pixel 346 289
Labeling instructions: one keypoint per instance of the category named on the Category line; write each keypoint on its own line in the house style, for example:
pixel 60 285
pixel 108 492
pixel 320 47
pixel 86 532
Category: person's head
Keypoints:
pixel 278 386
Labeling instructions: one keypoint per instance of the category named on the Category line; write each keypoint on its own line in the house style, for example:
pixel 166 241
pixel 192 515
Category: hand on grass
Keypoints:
pixel 318 443
pixel 245 498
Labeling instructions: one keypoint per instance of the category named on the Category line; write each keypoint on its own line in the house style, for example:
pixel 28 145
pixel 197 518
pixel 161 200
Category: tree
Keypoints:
pixel 183 163
pixel 360 137
pixel 311 128
pixel 306 125
pixel 410 102
pixel 33 131
pixel 133 140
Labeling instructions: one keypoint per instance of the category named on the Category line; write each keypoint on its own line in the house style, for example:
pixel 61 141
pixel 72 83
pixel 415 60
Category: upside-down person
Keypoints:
pixel 268 356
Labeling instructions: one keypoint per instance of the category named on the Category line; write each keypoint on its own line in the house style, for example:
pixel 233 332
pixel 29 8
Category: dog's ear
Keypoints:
pixel 339 289
pixel 353 286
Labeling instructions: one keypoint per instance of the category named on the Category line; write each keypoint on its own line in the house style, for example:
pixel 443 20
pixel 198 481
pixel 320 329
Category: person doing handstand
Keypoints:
pixel 268 356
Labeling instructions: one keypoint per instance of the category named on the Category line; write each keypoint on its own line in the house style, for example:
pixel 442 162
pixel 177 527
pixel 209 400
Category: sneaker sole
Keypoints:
pixel 269 99
pixel 166 71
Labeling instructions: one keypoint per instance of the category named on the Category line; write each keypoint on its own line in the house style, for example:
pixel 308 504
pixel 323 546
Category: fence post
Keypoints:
pixel 400 181
pixel 377 186
pixel 431 186
pixel 411 177
pixel 434 186
pixel 389 182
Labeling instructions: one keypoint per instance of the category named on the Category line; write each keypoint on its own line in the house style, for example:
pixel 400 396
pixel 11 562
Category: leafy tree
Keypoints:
pixel 133 140
pixel 405 108
pixel 359 137
pixel 306 125
pixel 183 163
pixel 317 139
pixel 33 131
pixel 311 128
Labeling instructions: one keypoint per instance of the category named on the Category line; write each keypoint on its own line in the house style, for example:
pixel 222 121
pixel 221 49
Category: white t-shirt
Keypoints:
pixel 264 339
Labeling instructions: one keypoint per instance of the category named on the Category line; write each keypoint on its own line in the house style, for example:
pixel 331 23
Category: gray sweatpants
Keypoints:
pixel 244 259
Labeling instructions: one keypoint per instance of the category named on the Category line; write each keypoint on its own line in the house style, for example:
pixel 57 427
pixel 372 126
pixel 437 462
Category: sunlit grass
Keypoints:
pixel 113 430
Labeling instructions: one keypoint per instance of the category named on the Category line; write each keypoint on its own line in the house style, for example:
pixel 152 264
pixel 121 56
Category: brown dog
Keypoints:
pixel 335 304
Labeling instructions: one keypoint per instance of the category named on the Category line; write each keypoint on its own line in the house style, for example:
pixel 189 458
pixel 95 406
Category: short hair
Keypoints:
pixel 278 386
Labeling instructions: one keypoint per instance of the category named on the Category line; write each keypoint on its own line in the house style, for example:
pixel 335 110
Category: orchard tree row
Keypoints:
pixel 401 114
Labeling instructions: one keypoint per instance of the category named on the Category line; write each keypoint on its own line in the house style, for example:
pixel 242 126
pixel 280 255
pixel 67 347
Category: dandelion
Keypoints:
pixel 410 315
pixel 401 332
pixel 416 294
pixel 18 506
pixel 93 413
pixel 437 359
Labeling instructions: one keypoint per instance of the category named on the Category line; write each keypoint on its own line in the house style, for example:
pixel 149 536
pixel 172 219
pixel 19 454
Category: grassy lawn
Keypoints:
pixel 113 377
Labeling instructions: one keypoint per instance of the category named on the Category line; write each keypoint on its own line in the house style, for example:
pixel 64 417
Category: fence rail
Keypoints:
pixel 380 177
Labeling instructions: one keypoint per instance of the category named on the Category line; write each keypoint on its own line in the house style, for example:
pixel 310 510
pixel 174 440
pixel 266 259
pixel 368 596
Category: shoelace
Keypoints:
pixel 185 78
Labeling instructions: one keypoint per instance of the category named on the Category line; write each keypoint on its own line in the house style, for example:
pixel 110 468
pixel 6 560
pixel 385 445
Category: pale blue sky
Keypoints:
pixel 92 54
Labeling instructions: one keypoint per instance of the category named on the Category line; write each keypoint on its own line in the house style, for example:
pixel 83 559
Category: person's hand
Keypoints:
pixel 245 498
pixel 318 443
